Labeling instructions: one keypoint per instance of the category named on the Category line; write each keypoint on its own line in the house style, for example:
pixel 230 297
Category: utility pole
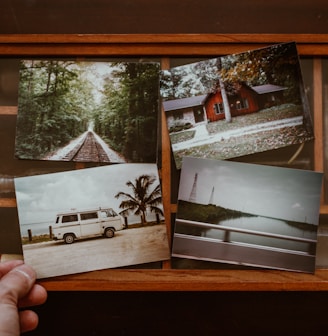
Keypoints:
pixel 193 194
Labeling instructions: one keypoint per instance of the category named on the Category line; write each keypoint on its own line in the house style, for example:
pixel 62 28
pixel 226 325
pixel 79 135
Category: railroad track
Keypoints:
pixel 88 151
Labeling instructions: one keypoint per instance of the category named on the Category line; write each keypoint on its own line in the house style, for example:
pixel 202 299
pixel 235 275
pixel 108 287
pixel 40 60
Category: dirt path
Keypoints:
pixel 201 137
pixel 128 247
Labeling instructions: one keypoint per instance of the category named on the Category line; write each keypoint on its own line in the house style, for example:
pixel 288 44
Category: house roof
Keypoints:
pixel 181 103
pixel 267 88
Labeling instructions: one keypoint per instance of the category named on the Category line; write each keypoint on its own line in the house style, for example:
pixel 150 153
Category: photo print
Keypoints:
pixel 91 219
pixel 87 111
pixel 247 214
pixel 236 105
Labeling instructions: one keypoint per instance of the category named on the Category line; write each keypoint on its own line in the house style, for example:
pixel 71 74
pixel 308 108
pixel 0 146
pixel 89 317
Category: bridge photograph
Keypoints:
pixel 247 214
pixel 87 111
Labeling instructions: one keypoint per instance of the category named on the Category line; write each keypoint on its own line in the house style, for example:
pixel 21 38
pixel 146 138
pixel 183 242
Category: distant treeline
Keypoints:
pixel 209 213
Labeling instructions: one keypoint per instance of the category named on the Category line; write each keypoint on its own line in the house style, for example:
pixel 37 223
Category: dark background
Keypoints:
pixel 174 313
pixel 163 16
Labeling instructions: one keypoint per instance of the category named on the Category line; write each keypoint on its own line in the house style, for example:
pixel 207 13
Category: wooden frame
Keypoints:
pixel 165 46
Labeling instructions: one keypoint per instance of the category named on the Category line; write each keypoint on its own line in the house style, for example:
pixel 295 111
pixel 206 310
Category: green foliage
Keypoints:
pixel 128 114
pixel 180 126
pixel 277 65
pixel 51 107
pixel 57 103
pixel 210 213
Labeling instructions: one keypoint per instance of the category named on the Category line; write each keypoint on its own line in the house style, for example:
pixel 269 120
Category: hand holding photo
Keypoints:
pixel 247 214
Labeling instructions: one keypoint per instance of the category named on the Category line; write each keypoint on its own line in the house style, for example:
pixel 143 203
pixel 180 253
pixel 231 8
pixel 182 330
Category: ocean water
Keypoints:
pixel 43 228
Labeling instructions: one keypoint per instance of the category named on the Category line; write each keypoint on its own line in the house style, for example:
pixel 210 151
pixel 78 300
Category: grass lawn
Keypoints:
pixel 248 144
pixel 266 115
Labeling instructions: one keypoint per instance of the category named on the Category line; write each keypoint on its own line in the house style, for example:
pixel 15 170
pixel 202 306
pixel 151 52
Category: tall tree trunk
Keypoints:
pixel 224 96
pixel 143 218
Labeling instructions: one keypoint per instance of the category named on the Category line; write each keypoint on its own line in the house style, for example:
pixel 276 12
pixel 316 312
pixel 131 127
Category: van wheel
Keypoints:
pixel 69 238
pixel 109 233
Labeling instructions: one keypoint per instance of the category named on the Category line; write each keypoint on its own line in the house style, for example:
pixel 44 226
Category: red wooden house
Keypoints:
pixel 210 107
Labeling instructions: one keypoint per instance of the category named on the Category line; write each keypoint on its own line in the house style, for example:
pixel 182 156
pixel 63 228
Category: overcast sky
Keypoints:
pixel 284 193
pixel 40 198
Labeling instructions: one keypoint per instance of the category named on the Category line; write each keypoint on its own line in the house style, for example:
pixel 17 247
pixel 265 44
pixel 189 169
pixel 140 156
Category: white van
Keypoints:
pixel 84 224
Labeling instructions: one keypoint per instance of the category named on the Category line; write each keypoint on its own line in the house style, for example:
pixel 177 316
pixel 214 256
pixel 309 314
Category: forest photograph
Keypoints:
pixel 88 111
pixel 236 104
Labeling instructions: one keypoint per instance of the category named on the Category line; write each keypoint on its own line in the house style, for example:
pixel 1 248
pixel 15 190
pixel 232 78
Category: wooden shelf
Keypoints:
pixel 190 280
pixel 97 45
pixel 165 46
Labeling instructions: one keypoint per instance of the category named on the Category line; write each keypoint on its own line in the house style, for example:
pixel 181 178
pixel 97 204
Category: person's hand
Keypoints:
pixel 18 290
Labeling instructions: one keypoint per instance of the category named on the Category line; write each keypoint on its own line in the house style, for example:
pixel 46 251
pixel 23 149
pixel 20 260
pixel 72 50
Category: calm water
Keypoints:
pixel 43 228
pixel 37 229
pixel 263 224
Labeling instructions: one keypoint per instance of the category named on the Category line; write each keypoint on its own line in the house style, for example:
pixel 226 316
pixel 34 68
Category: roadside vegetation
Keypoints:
pixel 36 239
pixel 206 213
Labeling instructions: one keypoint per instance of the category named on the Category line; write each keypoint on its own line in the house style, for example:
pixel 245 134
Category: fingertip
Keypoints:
pixel 28 320
pixel 36 296
pixel 41 293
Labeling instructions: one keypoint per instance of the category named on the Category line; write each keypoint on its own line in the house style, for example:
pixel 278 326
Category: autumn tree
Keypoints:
pixel 276 65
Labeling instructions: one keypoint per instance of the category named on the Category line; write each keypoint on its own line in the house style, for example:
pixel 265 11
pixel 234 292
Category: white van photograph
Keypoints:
pixel 65 219
pixel 74 225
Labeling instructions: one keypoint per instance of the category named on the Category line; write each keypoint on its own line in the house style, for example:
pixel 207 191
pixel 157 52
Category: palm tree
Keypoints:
pixel 142 198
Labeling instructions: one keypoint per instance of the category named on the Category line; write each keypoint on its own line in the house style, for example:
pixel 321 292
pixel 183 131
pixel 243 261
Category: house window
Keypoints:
pixel 242 104
pixel 218 108
pixel 178 115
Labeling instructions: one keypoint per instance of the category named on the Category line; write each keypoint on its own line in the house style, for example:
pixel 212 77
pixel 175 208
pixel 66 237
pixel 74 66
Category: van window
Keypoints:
pixel 108 213
pixel 69 218
pixel 113 213
pixel 89 215
pixel 103 214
